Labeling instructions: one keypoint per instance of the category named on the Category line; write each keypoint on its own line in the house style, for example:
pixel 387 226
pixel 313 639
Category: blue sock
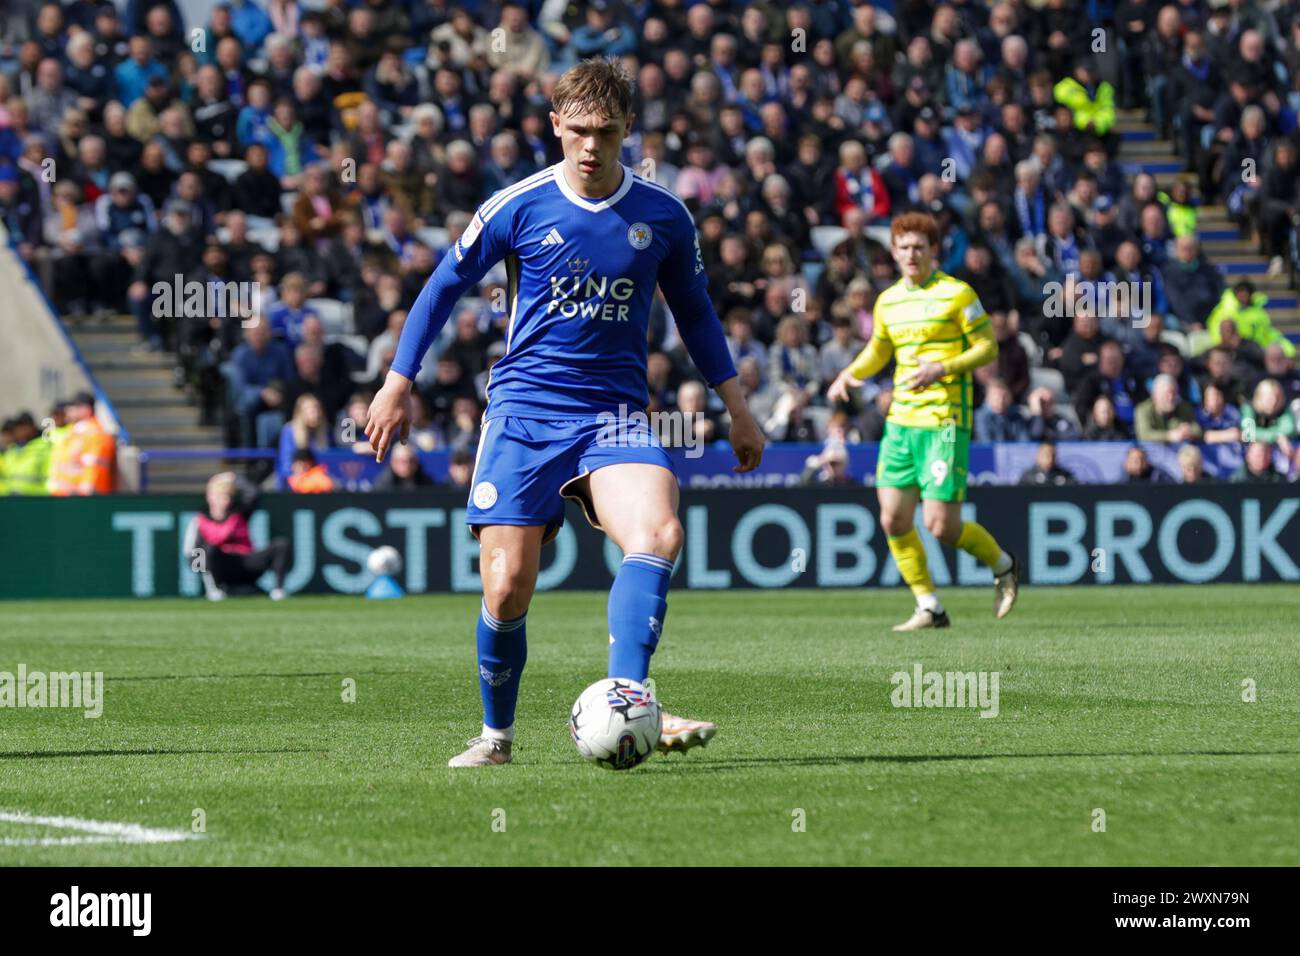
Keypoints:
pixel 502 651
pixel 637 604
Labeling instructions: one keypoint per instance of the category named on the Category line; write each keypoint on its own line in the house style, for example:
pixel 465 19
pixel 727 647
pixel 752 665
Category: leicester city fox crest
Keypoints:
pixel 639 235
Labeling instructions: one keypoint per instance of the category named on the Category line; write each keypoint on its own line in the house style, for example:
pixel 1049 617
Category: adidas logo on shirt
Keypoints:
pixel 553 238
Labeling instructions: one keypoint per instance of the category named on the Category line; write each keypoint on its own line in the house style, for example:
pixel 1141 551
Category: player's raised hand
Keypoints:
pixel 839 390
pixel 390 415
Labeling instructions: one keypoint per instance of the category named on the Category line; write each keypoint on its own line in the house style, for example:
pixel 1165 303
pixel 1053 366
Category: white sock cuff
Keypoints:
pixel 492 733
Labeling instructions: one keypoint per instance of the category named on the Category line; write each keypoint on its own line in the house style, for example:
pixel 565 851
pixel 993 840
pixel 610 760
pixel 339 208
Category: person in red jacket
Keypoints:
pixel 858 185
pixel 220 547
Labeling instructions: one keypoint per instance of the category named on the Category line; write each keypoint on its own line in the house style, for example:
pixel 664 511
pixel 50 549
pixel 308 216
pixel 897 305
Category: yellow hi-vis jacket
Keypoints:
pixel 1099 110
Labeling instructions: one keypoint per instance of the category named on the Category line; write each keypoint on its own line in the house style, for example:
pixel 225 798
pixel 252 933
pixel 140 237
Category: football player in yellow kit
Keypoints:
pixel 935 329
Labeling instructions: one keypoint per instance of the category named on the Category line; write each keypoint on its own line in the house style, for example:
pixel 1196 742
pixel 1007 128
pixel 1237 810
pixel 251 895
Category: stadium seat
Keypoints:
pixel 826 238
pixel 232 169
pixel 1031 348
pixel 1177 339
pixel 1051 378
pixel 336 316
pixel 435 237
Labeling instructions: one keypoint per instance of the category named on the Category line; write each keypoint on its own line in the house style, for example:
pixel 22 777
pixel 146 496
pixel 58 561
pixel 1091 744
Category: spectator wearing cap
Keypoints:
pixel 132 75
pixel 928 143
pixel 1166 416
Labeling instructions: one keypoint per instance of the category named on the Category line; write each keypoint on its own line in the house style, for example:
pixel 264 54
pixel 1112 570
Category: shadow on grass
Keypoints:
pixel 48 754
pixel 741 763
pixel 337 673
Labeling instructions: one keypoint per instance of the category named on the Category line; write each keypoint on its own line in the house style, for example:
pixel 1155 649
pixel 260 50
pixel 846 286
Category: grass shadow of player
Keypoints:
pixel 745 763
pixel 147 752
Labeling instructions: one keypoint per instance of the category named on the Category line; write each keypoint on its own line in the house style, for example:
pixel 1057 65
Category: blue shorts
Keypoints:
pixel 526 467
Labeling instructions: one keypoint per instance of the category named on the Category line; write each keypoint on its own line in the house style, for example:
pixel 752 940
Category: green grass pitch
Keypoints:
pixel 1123 699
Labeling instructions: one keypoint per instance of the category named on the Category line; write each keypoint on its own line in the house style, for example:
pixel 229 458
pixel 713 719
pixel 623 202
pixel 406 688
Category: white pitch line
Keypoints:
pixel 102 831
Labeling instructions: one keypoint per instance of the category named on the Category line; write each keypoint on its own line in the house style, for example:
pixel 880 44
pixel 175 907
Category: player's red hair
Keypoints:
pixel 914 222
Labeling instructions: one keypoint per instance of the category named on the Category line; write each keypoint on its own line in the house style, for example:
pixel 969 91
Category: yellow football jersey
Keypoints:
pixel 934 322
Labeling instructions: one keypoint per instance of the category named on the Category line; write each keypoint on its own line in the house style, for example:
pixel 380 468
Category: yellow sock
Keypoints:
pixel 909 555
pixel 976 541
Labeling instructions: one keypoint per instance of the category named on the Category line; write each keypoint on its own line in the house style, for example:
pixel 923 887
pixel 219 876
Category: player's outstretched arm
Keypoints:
pixel 745 435
pixel 874 356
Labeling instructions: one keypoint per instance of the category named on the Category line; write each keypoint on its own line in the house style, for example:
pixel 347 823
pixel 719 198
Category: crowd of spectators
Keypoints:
pixel 328 154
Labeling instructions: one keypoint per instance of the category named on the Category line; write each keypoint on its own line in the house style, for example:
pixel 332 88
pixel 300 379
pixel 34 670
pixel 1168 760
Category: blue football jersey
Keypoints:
pixel 581 276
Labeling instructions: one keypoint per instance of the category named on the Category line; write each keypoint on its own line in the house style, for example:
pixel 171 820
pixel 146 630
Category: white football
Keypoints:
pixel 615 723
pixel 384 561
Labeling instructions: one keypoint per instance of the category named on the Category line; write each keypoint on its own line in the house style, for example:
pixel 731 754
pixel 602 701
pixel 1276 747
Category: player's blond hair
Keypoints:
pixel 599 85
pixel 222 484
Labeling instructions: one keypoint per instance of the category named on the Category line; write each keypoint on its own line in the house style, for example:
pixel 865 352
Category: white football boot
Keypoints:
pixel 678 733
pixel 483 752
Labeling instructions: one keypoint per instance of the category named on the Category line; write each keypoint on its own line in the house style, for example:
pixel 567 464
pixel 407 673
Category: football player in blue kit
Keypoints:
pixel 584 242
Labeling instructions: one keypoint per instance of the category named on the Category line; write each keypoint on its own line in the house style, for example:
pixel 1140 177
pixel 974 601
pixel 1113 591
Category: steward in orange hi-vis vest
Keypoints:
pixel 83 461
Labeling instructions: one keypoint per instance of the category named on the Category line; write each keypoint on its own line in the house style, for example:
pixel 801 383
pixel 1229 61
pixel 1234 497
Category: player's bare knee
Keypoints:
pixel 506 594
pixel 663 538
pixel 895 524
pixel 942 528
